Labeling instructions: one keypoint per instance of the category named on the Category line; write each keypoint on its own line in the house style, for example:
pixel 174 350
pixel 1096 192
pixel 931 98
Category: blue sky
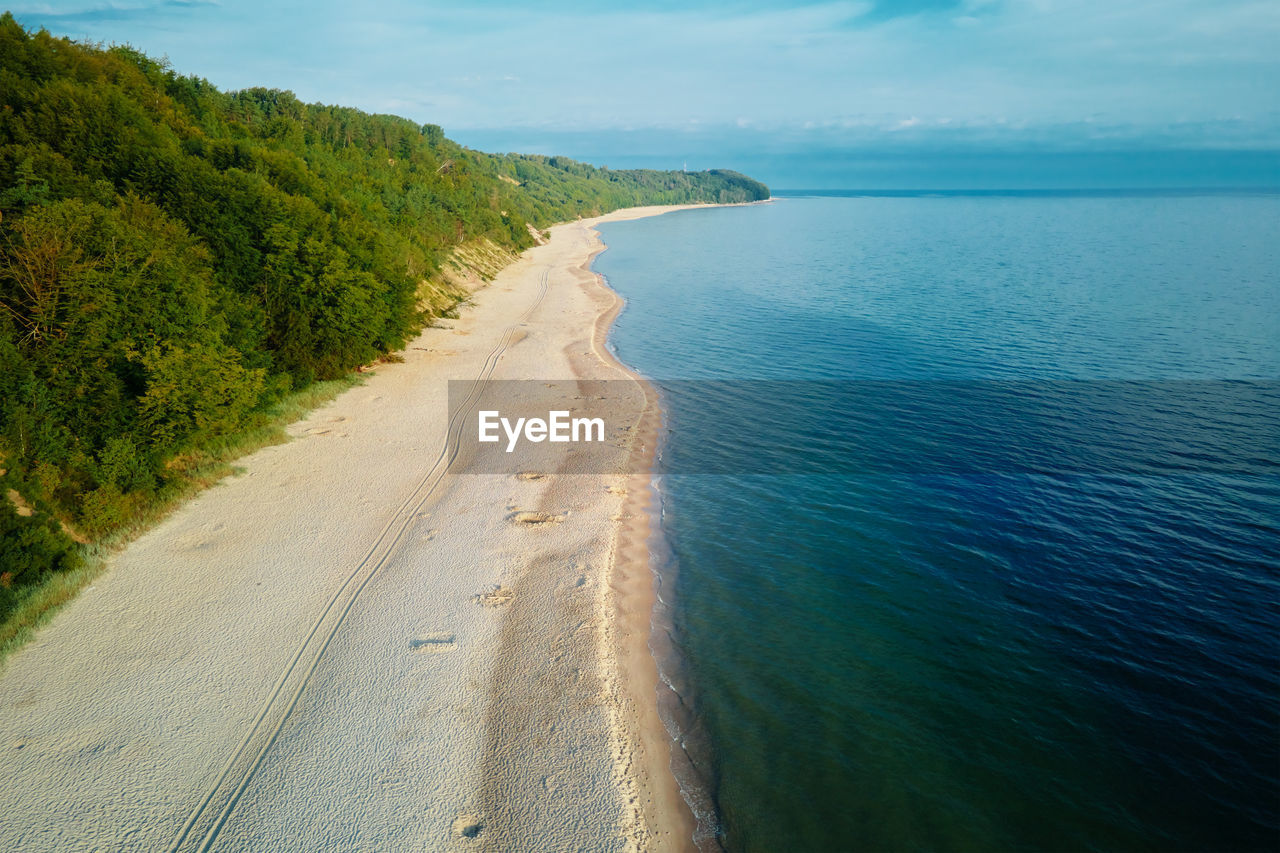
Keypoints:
pixel 885 92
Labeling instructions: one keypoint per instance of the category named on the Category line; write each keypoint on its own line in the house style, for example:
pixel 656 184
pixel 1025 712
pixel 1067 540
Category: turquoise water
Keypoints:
pixel 1077 656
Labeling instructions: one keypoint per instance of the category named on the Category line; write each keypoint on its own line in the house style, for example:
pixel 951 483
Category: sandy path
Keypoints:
pixel 305 658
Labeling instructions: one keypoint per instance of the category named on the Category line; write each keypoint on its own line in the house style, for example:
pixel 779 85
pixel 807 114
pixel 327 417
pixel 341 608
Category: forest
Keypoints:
pixel 177 262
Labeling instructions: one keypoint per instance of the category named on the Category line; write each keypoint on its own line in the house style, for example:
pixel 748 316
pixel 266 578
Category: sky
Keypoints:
pixel 867 94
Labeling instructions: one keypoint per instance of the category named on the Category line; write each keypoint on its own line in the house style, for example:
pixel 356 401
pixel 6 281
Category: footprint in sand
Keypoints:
pixel 197 541
pixel 468 827
pixel 536 519
pixel 499 596
pixel 434 643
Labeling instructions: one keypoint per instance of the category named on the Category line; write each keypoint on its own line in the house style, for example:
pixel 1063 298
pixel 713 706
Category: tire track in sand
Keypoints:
pixel 200 832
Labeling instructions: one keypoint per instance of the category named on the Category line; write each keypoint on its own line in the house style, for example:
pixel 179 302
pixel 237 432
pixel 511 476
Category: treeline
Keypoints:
pixel 175 259
pixel 554 185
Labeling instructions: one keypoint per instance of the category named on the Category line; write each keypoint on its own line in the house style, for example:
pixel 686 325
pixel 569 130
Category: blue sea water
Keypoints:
pixel 996 656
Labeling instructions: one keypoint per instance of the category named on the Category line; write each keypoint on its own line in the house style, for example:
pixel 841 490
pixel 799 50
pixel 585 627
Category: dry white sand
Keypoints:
pixel 347 648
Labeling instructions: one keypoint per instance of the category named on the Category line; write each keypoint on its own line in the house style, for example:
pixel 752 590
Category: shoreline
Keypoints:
pixel 653 812
pixel 659 712
pixel 345 646
pixel 669 813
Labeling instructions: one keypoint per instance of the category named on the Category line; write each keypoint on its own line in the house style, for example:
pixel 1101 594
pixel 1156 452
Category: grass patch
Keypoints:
pixel 190 473
pixel 197 470
pixel 45 599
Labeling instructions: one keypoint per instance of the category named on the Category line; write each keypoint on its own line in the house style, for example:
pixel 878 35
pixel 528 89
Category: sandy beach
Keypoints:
pixel 347 647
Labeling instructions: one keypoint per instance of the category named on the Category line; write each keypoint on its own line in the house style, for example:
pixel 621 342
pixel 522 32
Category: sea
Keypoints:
pixel 970 516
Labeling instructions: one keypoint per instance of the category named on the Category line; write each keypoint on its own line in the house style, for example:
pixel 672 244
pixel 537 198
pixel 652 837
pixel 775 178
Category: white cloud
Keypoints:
pixel 1154 64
